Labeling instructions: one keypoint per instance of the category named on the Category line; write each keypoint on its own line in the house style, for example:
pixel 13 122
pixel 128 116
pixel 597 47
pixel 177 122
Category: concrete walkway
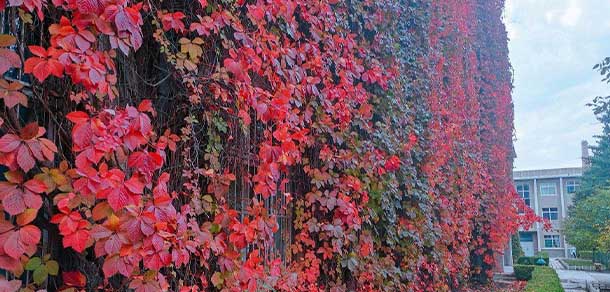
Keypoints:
pixel 578 281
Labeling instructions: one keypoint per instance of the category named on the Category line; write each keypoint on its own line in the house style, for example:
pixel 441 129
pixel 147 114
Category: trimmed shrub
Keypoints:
pixel 532 261
pixel 523 272
pixel 544 279
pixel 585 254
pixel 525 261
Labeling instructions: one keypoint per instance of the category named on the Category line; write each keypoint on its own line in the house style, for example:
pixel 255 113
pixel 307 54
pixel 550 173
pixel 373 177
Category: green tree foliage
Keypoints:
pixel 516 246
pixel 598 174
pixel 604 239
pixel 590 215
pixel 590 218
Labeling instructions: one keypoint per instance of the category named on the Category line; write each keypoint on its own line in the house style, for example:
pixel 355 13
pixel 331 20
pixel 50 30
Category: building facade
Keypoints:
pixel 549 192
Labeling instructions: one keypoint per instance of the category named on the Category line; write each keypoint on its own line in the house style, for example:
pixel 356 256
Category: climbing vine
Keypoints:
pixel 254 145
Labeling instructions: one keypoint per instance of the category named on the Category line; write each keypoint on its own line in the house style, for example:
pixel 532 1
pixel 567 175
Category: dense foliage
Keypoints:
pixel 534 261
pixel 596 176
pixel 589 222
pixel 517 251
pixel 255 145
pixel 585 254
pixel 589 218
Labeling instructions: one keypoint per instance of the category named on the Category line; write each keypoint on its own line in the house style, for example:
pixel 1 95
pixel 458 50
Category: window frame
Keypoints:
pixel 550 213
pixel 526 237
pixel 554 239
pixel 545 185
pixel 574 184
pixel 525 188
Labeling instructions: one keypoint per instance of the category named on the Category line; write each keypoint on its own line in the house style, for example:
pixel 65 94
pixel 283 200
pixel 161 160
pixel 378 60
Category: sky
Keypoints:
pixel 554 45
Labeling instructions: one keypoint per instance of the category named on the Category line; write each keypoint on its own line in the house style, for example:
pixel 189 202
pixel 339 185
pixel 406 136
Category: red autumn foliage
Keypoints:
pixel 11 94
pixel 23 150
pixel 44 64
pixel 285 145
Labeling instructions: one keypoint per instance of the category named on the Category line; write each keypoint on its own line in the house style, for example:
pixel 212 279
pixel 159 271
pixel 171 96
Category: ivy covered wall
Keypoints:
pixel 253 145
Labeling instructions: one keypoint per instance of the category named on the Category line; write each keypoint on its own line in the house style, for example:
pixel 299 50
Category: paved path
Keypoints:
pixel 577 281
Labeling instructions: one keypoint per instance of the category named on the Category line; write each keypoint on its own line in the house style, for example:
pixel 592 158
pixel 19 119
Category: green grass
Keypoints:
pixel 578 262
pixel 544 279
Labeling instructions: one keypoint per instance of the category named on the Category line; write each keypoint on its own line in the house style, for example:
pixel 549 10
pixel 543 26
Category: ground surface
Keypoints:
pixel 577 281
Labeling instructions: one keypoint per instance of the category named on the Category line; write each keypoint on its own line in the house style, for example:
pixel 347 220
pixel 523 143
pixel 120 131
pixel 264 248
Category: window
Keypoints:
pixel 552 241
pixel 572 186
pixel 548 189
pixel 526 237
pixel 524 192
pixel 550 213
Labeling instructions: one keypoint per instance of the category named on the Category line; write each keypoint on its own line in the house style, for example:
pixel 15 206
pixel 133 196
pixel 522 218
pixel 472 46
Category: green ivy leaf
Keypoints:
pixel 220 124
pixel 52 267
pixel 208 198
pixel 214 228
pixel 40 275
pixel 33 264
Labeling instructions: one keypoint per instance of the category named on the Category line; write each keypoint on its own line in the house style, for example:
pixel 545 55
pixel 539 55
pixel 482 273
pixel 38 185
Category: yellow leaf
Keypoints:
pixel 47 180
pixel 25 17
pixel 7 40
pixel 52 268
pixel 58 177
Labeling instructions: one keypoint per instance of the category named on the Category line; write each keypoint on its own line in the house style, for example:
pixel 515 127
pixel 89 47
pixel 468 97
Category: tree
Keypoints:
pixel 589 220
pixel 604 239
pixel 516 247
pixel 597 175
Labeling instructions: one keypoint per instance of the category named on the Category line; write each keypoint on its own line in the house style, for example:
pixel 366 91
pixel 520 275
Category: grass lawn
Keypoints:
pixel 544 279
pixel 578 262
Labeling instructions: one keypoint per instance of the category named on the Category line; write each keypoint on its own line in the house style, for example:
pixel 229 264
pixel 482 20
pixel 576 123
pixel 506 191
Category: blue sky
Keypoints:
pixel 553 47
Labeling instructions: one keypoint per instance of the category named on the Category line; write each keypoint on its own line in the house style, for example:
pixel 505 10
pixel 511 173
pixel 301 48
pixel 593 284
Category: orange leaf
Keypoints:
pixel 11 94
pixel 27 216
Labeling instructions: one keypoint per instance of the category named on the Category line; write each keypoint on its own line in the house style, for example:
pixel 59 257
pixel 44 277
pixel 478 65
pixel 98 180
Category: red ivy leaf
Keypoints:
pixel 9 142
pixel 74 279
pixel 43 65
pixel 36 186
pixel 89 6
pixel 8 58
pixel 78 240
pixel 17 202
pixel 393 163
pixel 25 159
pixel 23 241
pixel 172 21
pixel 9 286
pixel 78 117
